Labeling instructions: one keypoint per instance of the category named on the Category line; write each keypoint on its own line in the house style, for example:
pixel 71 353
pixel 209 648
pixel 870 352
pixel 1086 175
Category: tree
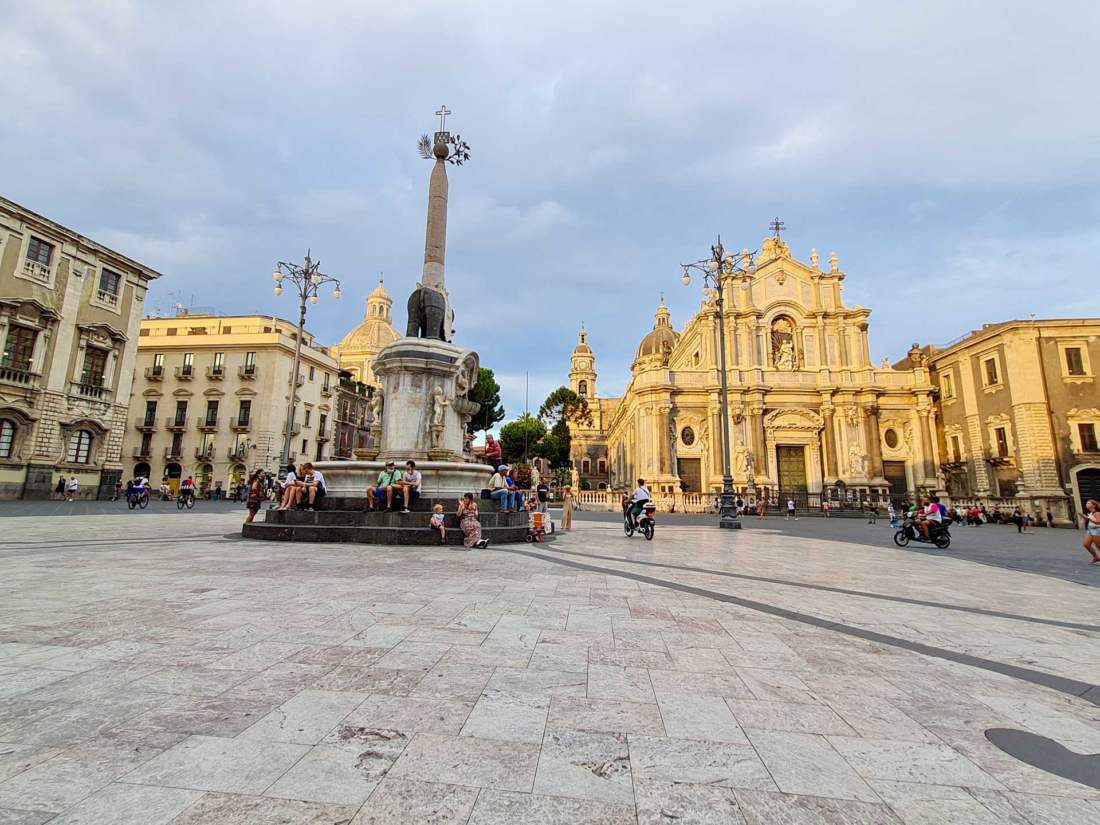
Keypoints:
pixel 565 406
pixel 486 392
pixel 519 437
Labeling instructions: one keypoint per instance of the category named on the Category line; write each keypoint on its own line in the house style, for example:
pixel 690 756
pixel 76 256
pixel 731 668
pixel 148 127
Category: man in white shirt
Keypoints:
pixel 637 499
pixel 313 485
pixel 499 490
pixel 73 488
pixel 409 485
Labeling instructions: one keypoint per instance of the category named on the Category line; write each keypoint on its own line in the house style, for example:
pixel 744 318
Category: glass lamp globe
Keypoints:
pixel 685 279
pixel 276 276
pixel 313 299
pixel 315 278
pixel 336 293
pixel 714 266
pixel 278 290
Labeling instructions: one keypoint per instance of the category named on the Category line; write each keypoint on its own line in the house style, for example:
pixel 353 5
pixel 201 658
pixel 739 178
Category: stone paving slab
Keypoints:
pixel 158 672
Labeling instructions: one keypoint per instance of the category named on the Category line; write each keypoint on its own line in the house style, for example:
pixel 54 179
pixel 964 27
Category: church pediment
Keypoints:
pixel 152 392
pixel 793 418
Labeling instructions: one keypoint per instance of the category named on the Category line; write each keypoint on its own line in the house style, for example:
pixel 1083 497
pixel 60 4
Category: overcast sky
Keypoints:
pixel 948 151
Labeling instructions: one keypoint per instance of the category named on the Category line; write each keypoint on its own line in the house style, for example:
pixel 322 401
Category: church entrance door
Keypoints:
pixel 791 464
pixel 894 473
pixel 690 471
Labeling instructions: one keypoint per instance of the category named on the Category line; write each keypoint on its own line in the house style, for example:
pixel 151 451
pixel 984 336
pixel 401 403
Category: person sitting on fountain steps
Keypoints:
pixel 499 490
pixel 383 487
pixel 409 485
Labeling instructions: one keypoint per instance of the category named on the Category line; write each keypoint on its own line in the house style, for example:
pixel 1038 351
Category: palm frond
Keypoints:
pixel 424 146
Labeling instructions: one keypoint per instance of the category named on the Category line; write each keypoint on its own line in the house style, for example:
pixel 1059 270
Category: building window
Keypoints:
pixel 146 444
pixel 249 362
pixel 188 363
pixel 603 467
pixel 181 414
pixel 7 438
pixel 211 413
pixel 158 363
pixel 582 389
pixel 177 445
pixel 586 467
pixel 891 438
pixel 109 283
pixel 312 372
pixel 947 386
pixel 1086 434
pixel 95 365
pixel 305 446
pixel 308 414
pixel 80 447
pixel 1000 435
pixel 219 363
pixel 1075 362
pixel 150 413
pixel 19 348
pixel 39 251
pixel 325 384
pixel 991 373
pixel 956 449
pixel 244 414
pixel 687 435
pixel 322 420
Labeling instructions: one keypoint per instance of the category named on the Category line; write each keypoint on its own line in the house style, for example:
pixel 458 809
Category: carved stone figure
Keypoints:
pixel 466 379
pixel 857 461
pixel 427 314
pixel 439 405
pixel 575 479
pixel 785 358
pixel 886 363
pixel 376 403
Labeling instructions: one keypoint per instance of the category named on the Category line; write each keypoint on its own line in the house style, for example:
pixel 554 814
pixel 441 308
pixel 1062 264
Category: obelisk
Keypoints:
pixel 435 235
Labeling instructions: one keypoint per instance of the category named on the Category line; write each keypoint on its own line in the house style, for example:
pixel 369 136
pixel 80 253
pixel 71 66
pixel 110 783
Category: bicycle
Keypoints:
pixel 138 499
pixel 186 498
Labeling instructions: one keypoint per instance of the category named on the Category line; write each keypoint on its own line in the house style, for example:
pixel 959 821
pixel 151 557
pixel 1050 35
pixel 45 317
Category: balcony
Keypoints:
pixel 144 453
pixel 21 378
pixel 176 424
pixel 185 373
pixel 206 423
pixel 173 453
pixel 215 372
pixel 326 392
pixel 325 434
pixel 154 373
pixel 240 425
pixel 108 298
pixel 96 391
pixel 247 372
pixel 295 430
pixel 146 423
pixel 37 271
pixel 237 453
pixel 205 453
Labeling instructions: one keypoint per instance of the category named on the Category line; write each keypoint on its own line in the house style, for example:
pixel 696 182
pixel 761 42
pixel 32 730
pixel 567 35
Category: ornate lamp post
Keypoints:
pixel 719 265
pixel 307 279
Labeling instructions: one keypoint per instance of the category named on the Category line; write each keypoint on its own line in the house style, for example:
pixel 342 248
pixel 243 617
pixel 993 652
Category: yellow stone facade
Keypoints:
pixel 69 315
pixel 210 399
pixel 1019 404
pixel 810 414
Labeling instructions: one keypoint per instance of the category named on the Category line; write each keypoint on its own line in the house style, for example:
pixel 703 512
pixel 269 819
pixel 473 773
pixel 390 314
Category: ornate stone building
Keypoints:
pixel 1020 411
pixel 69 315
pixel 810 414
pixel 210 399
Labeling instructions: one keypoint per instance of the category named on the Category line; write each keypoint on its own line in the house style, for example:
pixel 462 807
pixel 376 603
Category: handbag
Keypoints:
pixel 485 493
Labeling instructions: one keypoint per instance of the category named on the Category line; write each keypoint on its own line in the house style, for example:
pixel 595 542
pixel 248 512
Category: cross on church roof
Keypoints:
pixel 443 112
pixel 777 226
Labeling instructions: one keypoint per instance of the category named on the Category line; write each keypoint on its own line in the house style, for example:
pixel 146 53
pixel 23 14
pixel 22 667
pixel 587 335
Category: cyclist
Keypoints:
pixel 187 488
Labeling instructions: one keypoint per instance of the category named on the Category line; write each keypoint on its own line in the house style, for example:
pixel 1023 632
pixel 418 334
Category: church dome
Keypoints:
pixel 376 330
pixel 663 337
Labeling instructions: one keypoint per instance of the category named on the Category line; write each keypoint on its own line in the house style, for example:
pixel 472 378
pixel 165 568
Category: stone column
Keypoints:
pixel 927 464
pixel 827 411
pixel 874 439
pixel 756 428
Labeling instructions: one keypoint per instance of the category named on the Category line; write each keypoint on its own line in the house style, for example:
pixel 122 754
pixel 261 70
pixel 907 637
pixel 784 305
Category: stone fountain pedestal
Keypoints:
pixel 421 415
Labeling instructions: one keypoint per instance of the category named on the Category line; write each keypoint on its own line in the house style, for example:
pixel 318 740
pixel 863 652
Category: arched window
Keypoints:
pixel 80 447
pixel 582 389
pixel 7 438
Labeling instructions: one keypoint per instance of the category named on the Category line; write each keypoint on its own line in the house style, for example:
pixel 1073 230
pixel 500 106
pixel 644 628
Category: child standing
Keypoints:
pixel 437 523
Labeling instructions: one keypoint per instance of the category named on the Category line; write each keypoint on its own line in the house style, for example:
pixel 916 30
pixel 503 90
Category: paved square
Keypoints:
pixel 157 669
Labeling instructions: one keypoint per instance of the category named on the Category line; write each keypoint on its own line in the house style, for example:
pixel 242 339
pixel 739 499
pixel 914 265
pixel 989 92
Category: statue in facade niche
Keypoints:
pixel 857 461
pixel 784 359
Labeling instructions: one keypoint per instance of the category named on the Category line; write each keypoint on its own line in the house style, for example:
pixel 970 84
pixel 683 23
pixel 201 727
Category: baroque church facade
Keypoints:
pixel 810 414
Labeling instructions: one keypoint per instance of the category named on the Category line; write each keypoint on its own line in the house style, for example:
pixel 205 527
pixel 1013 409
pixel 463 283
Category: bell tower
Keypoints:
pixel 582 372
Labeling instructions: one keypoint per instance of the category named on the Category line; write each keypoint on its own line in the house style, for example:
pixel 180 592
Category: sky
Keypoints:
pixel 948 152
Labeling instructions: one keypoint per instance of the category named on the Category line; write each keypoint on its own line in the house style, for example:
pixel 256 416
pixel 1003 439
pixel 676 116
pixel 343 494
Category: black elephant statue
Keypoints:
pixel 427 314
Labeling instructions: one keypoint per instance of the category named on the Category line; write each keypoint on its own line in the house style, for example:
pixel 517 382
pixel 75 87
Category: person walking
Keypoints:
pixel 872 514
pixel 762 509
pixel 542 494
pixel 1050 518
pixel 257 492
pixel 893 514
pixel 73 488
pixel 468 521
pixel 825 508
pixel 790 510
pixel 59 490
pixel 1092 530
pixel 1018 519
pixel 567 509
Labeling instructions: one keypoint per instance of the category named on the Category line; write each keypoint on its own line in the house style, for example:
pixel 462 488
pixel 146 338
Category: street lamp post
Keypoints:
pixel 714 269
pixel 307 279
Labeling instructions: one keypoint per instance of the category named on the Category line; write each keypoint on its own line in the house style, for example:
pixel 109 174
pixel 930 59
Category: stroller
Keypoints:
pixel 536 527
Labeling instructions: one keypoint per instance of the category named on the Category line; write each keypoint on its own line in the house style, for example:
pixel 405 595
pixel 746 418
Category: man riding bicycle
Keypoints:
pixel 637 502
pixel 187 488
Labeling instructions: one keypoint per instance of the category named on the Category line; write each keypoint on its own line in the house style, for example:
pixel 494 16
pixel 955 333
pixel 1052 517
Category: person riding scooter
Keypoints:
pixel 928 516
pixel 637 502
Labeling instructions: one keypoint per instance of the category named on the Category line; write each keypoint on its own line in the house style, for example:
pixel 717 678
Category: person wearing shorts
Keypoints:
pixel 383 487
pixel 409 485
pixel 1092 530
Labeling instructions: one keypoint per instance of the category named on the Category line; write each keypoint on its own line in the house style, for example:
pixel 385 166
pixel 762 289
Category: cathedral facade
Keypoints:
pixel 810 415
